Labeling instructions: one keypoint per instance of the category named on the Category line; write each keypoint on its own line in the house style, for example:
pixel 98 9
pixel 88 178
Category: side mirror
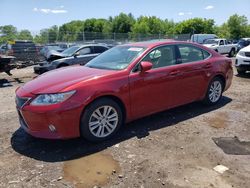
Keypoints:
pixel 76 54
pixel 145 66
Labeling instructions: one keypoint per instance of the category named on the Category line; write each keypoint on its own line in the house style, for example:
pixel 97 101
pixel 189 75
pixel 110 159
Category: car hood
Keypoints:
pixel 63 79
pixel 246 49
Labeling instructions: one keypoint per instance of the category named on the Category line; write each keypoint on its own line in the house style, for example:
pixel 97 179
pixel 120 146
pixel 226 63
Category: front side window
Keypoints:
pixel 221 42
pixel 70 51
pixel 190 53
pixel 162 56
pixel 84 51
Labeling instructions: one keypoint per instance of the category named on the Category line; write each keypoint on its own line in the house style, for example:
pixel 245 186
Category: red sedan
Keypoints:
pixel 123 84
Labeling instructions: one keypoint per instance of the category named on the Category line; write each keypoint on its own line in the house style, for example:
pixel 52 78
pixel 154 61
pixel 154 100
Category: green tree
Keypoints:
pixel 123 23
pixel 195 25
pixel 148 27
pixel 9 32
pixel 237 26
pixel 53 34
pixel 222 31
pixel 72 31
pixel 25 35
pixel 170 26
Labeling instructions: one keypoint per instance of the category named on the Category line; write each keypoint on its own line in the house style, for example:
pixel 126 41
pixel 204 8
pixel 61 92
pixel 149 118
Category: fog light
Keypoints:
pixel 52 128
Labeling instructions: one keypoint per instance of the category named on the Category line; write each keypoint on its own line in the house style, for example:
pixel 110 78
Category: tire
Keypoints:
pixel 241 72
pixel 106 118
pixel 214 92
pixel 232 52
pixel 216 50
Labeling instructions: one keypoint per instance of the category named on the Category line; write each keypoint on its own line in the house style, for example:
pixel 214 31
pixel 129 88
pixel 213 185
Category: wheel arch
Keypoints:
pixel 222 78
pixel 112 97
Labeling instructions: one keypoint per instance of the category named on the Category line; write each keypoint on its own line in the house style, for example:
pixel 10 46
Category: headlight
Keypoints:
pixel 241 53
pixel 48 99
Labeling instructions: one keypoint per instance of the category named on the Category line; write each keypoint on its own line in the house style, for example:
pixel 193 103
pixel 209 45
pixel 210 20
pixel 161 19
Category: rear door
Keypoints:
pixel 195 70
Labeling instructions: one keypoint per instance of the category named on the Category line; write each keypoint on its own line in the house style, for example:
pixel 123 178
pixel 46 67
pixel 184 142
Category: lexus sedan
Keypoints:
pixel 124 83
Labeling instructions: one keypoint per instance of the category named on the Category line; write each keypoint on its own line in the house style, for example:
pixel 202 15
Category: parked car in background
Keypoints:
pixel 201 38
pixel 221 46
pixel 242 43
pixel 3 49
pixel 6 64
pixel 22 50
pixel 50 47
pixel 71 56
pixel 122 84
pixel 242 62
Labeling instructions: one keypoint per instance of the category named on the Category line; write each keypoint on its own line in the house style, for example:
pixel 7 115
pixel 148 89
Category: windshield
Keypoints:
pixel 116 58
pixel 211 41
pixel 70 51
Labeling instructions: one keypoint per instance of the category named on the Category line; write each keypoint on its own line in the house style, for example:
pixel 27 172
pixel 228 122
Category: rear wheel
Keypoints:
pixel 232 53
pixel 214 92
pixel 101 120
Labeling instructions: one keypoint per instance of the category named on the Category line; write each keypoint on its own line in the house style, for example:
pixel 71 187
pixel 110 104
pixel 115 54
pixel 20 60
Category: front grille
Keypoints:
pixel 247 54
pixel 20 102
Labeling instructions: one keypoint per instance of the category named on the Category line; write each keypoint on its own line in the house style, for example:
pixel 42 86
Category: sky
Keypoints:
pixel 39 14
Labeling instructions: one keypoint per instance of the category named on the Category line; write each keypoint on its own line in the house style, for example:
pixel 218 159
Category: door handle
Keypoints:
pixel 173 73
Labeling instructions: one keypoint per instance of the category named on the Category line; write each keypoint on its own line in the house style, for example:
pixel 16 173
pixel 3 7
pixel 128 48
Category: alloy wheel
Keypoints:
pixel 215 91
pixel 103 121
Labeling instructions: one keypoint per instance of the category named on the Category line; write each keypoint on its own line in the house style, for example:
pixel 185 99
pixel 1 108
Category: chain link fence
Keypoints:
pixel 31 50
pixel 95 37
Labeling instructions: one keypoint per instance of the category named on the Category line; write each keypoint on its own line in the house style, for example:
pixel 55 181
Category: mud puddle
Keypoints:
pixel 218 121
pixel 233 146
pixel 92 170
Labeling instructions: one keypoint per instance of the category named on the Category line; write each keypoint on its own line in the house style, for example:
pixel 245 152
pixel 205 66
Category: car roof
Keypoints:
pixel 155 43
pixel 86 45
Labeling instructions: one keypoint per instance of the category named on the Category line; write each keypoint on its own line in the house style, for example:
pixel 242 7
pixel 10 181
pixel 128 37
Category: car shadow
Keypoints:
pixel 246 75
pixel 63 150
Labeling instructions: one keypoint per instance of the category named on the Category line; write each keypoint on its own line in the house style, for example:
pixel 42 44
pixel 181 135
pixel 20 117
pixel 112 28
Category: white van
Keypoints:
pixel 200 38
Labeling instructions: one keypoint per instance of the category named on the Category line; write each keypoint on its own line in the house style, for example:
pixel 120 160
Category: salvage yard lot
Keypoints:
pixel 177 148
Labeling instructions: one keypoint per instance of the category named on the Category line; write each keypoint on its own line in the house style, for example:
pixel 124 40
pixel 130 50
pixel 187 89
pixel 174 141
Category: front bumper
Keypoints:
pixel 242 63
pixel 37 121
pixel 43 67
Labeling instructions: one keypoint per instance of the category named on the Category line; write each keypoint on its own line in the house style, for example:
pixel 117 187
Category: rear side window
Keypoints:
pixel 99 49
pixel 191 53
pixel 205 54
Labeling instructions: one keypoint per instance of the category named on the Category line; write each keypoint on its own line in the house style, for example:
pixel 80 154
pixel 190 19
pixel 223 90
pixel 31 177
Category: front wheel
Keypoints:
pixel 214 92
pixel 101 120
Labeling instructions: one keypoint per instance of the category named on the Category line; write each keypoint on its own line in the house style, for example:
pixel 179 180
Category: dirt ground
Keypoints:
pixel 175 149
